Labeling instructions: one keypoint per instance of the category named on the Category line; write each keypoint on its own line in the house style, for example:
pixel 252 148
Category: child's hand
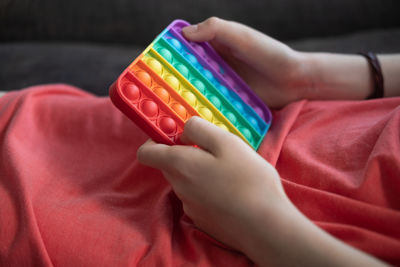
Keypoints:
pixel 280 75
pixel 277 73
pixel 223 186
pixel 233 194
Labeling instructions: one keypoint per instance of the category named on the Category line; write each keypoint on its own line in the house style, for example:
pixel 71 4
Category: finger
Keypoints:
pixel 208 136
pixel 243 42
pixel 165 157
pixel 231 35
pixel 211 29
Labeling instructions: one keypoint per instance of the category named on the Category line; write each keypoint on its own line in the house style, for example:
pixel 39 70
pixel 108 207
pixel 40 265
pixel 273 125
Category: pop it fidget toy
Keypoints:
pixel 175 79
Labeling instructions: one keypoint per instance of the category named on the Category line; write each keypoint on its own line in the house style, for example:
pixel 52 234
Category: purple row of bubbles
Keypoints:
pixel 227 73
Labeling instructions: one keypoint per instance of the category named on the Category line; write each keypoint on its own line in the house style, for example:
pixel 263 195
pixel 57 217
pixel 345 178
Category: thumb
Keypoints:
pixel 218 30
pixel 244 43
pixel 206 135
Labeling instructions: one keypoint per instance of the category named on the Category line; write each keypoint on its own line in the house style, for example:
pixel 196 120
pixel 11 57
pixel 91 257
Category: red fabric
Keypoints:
pixel 73 194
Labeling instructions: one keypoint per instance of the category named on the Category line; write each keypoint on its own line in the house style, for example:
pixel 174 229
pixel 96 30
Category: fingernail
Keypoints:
pixel 191 29
pixel 195 118
pixel 191 120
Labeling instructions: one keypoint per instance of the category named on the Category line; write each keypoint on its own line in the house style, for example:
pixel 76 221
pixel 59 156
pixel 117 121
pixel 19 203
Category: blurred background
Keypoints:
pixel 89 43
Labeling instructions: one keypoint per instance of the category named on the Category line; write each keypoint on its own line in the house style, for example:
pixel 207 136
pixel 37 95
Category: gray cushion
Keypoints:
pixel 91 67
pixel 95 67
pixel 378 41
pixel 137 22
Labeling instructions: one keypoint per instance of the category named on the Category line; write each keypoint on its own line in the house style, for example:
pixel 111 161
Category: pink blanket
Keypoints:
pixel 73 194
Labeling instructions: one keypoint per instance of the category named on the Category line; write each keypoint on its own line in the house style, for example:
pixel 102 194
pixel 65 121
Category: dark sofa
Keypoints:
pixel 88 43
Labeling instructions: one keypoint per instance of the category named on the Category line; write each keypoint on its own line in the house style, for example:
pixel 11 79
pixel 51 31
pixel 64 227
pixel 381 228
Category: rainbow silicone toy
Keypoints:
pixel 175 79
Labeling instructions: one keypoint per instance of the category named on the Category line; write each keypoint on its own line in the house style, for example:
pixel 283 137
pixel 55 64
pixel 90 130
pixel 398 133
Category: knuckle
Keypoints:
pixel 191 126
pixel 227 137
pixel 177 158
pixel 141 153
pixel 190 169
pixel 246 41
pixel 212 22
pixel 187 211
pixel 231 141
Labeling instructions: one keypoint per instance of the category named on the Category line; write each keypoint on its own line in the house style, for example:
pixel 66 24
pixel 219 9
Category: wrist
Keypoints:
pixel 287 238
pixel 268 232
pixel 303 75
pixel 311 73
pixel 336 76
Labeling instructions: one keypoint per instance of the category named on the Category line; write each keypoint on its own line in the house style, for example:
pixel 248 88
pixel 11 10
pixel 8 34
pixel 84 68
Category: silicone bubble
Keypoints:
pixel 182 69
pixel 238 106
pixel 215 101
pixel 198 48
pixel 246 132
pixel 189 97
pixel 230 116
pixel 223 90
pixel 166 54
pixel 131 91
pixel 207 114
pixel 161 93
pixel 149 108
pixel 144 77
pixel 167 125
pixel 192 59
pixel 258 110
pixel 208 74
pixel 215 82
pixel 155 65
pixel 200 68
pixel 180 110
pixel 199 85
pixel 228 80
pixel 243 95
pixel 171 80
pixel 214 64
pixel 175 43
pixel 253 122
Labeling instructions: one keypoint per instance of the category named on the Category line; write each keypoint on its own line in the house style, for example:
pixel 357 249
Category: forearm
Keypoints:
pixel 391 74
pixel 336 76
pixel 291 239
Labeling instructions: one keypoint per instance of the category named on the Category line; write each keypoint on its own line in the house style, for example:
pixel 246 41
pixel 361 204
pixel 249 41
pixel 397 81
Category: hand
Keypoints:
pixel 280 75
pixel 234 195
pixel 223 185
pixel 277 73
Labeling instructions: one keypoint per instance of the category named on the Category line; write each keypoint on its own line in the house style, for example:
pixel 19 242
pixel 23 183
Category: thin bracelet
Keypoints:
pixel 377 75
